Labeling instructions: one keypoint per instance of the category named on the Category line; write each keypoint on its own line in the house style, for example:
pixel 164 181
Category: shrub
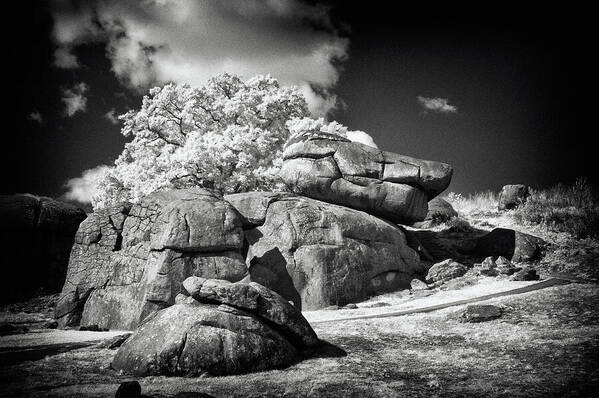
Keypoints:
pixel 571 209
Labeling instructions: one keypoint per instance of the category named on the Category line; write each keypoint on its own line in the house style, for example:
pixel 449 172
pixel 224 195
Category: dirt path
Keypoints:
pixel 537 286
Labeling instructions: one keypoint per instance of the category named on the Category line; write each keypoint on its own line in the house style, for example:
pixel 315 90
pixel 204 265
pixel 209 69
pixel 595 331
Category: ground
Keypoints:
pixel 545 344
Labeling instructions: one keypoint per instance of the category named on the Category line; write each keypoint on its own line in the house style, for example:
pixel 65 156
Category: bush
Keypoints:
pixel 572 209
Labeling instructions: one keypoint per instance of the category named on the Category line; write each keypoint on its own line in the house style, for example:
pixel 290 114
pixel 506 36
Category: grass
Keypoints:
pixel 571 209
pixel 543 345
pixel 477 204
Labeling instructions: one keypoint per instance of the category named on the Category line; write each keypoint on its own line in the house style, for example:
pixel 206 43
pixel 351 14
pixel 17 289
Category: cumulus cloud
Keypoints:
pixel 361 137
pixel 74 99
pixel 111 116
pixel 82 189
pixel 438 105
pixel 37 117
pixel 189 41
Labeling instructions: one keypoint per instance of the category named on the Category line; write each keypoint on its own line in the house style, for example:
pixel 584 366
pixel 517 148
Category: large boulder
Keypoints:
pixel 512 196
pixel 333 169
pixel 513 245
pixel 36 235
pixel 318 254
pixel 129 261
pixel 223 328
pixel 439 211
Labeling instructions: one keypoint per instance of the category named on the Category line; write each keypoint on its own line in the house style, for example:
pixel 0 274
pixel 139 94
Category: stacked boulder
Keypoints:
pixel 218 328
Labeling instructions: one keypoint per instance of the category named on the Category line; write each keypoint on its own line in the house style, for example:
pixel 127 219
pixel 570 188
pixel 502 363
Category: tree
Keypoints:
pixel 227 135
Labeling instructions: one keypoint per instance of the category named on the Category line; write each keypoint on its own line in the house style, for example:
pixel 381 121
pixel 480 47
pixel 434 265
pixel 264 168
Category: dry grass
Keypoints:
pixel 544 345
pixel 477 204
pixel 571 209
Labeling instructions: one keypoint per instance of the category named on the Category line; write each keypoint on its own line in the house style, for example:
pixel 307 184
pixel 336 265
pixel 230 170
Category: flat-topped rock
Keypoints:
pixel 336 170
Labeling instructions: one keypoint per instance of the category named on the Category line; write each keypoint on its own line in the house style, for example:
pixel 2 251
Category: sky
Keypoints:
pixel 504 95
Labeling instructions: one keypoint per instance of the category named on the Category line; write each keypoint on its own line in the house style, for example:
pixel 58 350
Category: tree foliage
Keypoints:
pixel 227 135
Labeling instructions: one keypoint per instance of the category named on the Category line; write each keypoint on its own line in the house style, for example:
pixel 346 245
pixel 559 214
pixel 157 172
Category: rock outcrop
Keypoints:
pixel 318 254
pixel 512 196
pixel 36 235
pixel 129 261
pixel 439 211
pixel 513 245
pixel 333 169
pixel 221 328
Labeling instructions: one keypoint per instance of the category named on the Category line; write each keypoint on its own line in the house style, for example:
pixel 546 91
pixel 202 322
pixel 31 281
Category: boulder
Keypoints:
pixel 480 313
pixel 512 196
pixel 439 211
pixel 318 254
pixel 417 284
pixel 444 271
pixel 333 169
pixel 227 328
pixel 129 261
pixel 513 245
pixel 36 235
pixel 505 266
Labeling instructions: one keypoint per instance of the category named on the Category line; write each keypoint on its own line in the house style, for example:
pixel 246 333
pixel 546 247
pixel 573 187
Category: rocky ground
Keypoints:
pixel 543 343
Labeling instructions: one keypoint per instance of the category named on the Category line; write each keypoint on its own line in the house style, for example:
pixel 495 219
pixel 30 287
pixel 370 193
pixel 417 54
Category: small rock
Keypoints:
pixel 445 270
pixel 92 328
pixel 502 262
pixel 480 313
pixel 351 306
pixel 114 342
pixel 526 274
pixel 331 308
pixel 128 389
pixel 505 266
pixel 488 263
pixel 51 324
pixel 417 284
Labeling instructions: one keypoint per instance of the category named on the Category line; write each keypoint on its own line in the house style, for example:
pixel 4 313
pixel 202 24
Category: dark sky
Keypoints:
pixel 522 81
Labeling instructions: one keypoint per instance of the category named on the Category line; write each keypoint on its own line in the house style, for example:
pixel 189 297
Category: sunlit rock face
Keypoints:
pixel 333 169
pixel 317 254
pixel 219 328
pixel 128 261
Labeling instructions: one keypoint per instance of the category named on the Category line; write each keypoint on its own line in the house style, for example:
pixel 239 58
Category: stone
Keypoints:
pixel 257 299
pixel 36 236
pixel 505 266
pixel 128 389
pixel 318 254
pixel 480 313
pixel 526 274
pixel 488 267
pixel 336 170
pixel 218 335
pixel 444 271
pixel 512 196
pixel 351 306
pixel 439 211
pixel 513 245
pixel 417 284
pixel 129 261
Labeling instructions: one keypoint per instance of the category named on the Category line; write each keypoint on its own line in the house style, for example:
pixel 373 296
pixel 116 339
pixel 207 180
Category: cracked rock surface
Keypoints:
pixel 221 328
pixel 128 261
pixel 318 254
pixel 335 170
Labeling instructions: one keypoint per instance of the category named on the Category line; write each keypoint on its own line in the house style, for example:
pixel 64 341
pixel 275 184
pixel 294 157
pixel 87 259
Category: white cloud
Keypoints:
pixel 37 117
pixel 188 41
pixel 82 189
pixel 439 105
pixel 361 137
pixel 74 99
pixel 112 116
